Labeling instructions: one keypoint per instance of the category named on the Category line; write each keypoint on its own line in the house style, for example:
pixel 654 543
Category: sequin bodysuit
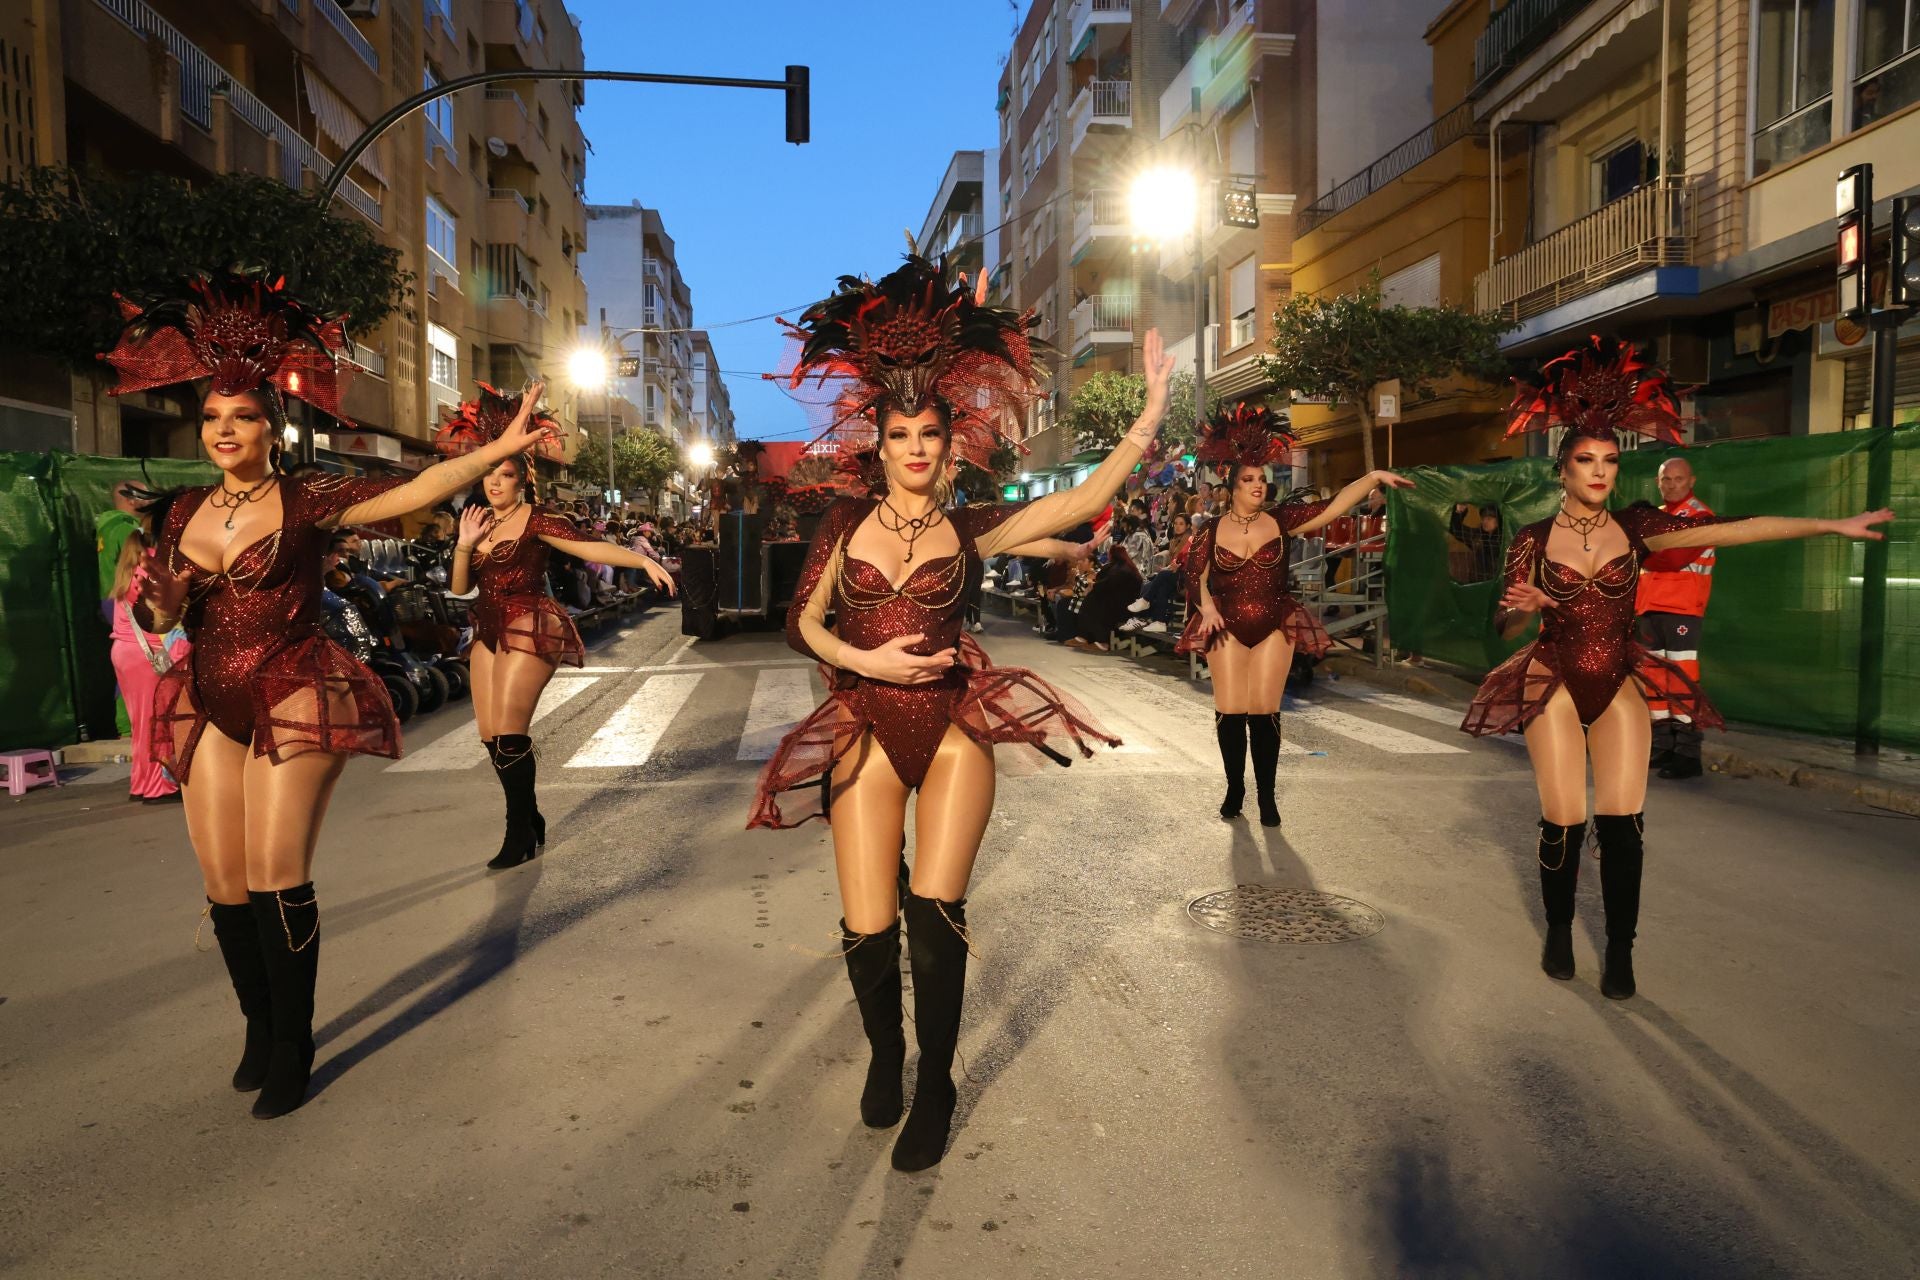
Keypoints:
pixel 1587 641
pixel 1251 592
pixel 990 704
pixel 261 670
pixel 513 610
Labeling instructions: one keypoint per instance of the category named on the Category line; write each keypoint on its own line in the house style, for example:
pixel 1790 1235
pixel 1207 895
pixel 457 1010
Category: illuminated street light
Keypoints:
pixel 1164 203
pixel 588 369
pixel 700 454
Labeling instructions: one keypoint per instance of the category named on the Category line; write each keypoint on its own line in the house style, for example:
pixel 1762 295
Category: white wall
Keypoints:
pixel 1375 82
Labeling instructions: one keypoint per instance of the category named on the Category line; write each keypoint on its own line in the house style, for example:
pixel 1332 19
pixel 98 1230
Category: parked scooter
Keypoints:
pixel 390 652
pixel 344 624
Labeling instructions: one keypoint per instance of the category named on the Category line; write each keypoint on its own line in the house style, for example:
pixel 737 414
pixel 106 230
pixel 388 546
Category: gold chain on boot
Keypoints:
pixel 310 902
pixel 1563 850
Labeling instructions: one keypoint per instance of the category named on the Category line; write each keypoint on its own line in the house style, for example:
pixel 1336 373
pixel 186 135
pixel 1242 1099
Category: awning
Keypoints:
pixel 340 122
pixel 1596 40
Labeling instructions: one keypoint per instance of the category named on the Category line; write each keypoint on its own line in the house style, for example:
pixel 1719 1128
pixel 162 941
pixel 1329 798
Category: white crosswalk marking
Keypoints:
pixel 1183 723
pixel 461 748
pixel 1380 736
pixel 1447 716
pixel 782 698
pixel 630 734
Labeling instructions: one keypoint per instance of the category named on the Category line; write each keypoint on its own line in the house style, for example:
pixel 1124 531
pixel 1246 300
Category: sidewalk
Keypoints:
pixel 1890 782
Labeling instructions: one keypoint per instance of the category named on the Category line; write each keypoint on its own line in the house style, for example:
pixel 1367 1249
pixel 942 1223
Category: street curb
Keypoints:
pixel 99 751
pixel 1734 762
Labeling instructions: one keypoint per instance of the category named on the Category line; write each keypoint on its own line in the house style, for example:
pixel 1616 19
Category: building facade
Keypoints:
pixel 962 223
pixel 481 192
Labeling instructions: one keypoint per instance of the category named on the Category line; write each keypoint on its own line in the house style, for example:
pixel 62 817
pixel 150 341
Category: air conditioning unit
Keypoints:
pixel 358 8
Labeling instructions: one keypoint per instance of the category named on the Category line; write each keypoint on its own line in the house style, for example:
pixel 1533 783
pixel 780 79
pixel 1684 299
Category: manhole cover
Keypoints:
pixel 1267 913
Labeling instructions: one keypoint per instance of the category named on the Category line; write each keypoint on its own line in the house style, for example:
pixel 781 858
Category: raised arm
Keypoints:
pixel 1058 512
pixel 1349 498
pixel 1715 532
pixel 473 527
pixel 1051 549
pixel 1520 596
pixel 600 552
pixel 444 479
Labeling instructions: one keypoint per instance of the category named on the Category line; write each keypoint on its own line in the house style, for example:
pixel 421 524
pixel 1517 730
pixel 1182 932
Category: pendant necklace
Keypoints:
pixel 495 521
pixel 230 501
pixel 1582 525
pixel 909 528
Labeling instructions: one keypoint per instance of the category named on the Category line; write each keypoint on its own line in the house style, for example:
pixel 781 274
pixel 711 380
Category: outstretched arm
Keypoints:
pixel 1051 549
pixel 599 552
pixel 1058 512
pixel 1734 533
pixel 1349 498
pixel 444 479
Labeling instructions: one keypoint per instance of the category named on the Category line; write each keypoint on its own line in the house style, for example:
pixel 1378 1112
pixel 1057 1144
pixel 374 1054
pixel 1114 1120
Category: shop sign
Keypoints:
pixel 361 444
pixel 1814 308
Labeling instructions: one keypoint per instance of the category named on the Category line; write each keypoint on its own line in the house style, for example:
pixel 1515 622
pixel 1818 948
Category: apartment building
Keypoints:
pixel 487 214
pixel 962 223
pixel 712 405
pixel 1260 101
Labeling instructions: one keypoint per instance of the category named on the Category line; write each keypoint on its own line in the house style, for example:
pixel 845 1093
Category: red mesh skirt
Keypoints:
pixel 1300 623
pixel 309 696
pixel 990 704
pixel 1518 690
pixel 534 624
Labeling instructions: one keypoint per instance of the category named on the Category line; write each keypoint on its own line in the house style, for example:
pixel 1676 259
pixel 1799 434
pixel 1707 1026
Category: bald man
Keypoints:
pixel 1672 605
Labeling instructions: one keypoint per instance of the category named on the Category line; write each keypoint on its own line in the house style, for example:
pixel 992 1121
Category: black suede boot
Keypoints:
pixel 1559 877
pixel 1263 742
pixel 288 924
pixel 937 949
pixel 1621 860
pixel 1231 729
pixel 514 763
pixel 873 967
pixel 239 939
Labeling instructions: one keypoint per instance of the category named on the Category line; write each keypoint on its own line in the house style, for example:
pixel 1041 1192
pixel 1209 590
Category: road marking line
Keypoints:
pixel 461 749
pixel 1187 719
pixel 630 734
pixel 686 643
pixel 782 698
pixel 691 666
pixel 1379 736
pixel 1409 706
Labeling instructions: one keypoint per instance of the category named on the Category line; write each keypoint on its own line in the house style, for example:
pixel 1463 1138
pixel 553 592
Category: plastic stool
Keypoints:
pixel 22 770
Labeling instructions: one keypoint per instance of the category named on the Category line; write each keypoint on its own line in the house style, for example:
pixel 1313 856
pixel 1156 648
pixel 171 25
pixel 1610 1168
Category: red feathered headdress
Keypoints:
pixel 480 421
pixel 916 337
pixel 1244 435
pixel 239 331
pixel 1597 390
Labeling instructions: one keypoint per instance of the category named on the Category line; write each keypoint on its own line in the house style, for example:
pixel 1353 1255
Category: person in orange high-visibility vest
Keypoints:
pixel 1672 606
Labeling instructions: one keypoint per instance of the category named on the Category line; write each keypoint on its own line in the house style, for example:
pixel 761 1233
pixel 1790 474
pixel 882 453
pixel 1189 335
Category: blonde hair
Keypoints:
pixel 132 551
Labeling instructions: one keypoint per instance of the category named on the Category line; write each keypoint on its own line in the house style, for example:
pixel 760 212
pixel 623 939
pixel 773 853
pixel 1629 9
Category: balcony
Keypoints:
pixel 1429 142
pixel 506 119
pixel 1095 24
pixel 509 218
pixel 1103 320
pixel 956 232
pixel 1651 226
pixel 1101 104
pixel 1101 216
pixel 330 13
pixel 512 28
pixel 1516 31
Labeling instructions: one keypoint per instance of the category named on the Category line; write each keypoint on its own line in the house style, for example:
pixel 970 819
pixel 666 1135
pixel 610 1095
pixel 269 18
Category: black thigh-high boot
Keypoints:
pixel 1263 742
pixel 937 949
pixel 288 923
pixel 873 968
pixel 513 762
pixel 239 939
pixel 1559 878
pixel 1231 729
pixel 1622 857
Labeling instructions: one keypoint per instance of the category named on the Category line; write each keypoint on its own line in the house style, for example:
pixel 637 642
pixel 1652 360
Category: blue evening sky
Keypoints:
pixel 760 225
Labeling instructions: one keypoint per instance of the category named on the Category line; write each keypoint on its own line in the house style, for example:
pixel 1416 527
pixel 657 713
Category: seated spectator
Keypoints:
pixel 1154 609
pixel 1104 606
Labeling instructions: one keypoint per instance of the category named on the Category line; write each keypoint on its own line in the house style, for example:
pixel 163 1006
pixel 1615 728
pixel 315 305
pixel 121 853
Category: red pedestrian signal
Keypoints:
pixel 1853 214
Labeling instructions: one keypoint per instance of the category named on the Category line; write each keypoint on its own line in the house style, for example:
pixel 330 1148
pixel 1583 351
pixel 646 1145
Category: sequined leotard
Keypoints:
pixel 1587 642
pixel 1251 593
pixel 990 704
pixel 261 670
pixel 513 610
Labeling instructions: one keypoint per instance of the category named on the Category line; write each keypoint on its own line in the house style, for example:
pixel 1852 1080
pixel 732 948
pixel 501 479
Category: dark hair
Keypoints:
pixel 1179 516
pixel 1573 435
pixel 885 405
pixel 340 538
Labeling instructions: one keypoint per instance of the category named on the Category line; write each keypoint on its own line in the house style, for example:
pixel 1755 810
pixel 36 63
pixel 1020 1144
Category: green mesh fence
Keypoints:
pixel 1781 646
pixel 56 676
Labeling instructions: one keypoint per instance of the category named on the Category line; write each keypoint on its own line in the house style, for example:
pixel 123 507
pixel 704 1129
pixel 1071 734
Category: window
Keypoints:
pixel 441 10
pixel 1242 159
pixel 1889 59
pixel 439 116
pixel 443 235
pixel 542 121
pixel 1619 171
pixel 1793 80
pixel 1241 294
pixel 546 211
pixel 1414 286
pixel 445 350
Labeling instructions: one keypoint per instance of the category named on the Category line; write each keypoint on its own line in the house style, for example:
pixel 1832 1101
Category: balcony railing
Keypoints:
pixel 1424 145
pixel 330 11
pixel 1100 102
pixel 508 193
pixel 1650 226
pixel 1103 213
pixel 1103 318
pixel 201 78
pixel 1517 30
pixel 1087 14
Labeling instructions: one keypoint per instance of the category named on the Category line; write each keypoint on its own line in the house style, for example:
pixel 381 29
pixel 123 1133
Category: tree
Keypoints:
pixel 1107 404
pixel 1342 347
pixel 69 240
pixel 642 460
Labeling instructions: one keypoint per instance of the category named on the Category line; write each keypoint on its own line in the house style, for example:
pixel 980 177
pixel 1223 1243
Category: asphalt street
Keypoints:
pixel 635 1056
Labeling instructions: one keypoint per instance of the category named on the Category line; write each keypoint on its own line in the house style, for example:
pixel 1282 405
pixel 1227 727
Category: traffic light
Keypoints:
pixel 1853 214
pixel 1903 256
pixel 799 104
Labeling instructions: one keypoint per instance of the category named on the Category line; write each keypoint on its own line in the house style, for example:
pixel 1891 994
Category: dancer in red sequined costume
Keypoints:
pixel 520 633
pixel 1577 690
pixel 914 705
pixel 1243 617
pixel 259 720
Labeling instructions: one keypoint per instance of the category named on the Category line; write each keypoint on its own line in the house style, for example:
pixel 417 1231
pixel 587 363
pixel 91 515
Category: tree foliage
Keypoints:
pixel 642 460
pixel 1107 404
pixel 1343 346
pixel 70 239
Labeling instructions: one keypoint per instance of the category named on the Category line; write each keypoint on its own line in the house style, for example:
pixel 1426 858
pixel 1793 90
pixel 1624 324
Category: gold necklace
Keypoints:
pixel 231 501
pixel 914 525
pixel 1245 521
pixel 495 521
pixel 1585 526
